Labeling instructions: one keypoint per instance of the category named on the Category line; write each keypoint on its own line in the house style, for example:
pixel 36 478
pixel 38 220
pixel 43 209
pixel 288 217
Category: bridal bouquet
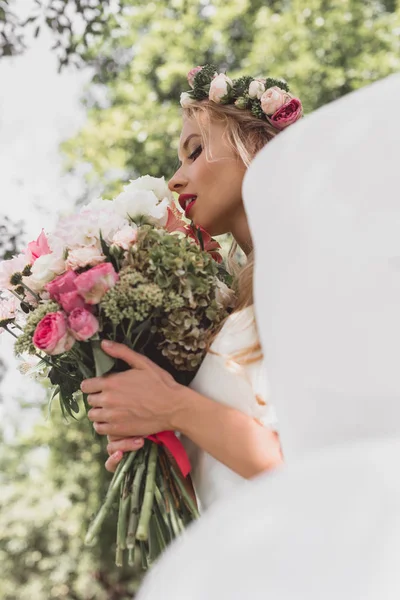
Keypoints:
pixel 128 270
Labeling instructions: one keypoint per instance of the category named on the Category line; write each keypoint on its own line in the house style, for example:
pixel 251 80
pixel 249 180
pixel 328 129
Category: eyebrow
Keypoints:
pixel 190 137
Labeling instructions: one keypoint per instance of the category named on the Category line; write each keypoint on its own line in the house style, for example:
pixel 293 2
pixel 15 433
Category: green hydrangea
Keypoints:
pixel 133 298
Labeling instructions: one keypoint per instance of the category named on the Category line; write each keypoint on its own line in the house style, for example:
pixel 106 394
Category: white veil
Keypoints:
pixel 323 201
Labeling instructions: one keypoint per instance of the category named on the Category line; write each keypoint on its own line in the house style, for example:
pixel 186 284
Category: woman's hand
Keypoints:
pixel 117 446
pixel 139 402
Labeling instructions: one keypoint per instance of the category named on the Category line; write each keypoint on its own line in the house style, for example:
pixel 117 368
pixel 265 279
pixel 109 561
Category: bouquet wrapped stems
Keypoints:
pixel 156 503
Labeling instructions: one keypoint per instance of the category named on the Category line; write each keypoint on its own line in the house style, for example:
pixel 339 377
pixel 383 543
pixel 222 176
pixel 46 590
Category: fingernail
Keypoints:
pixel 138 442
pixel 116 455
pixel 106 343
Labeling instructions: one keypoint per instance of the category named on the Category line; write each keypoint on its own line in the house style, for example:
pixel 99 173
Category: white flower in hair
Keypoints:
pixel 257 88
pixel 273 99
pixel 186 100
pixel 219 88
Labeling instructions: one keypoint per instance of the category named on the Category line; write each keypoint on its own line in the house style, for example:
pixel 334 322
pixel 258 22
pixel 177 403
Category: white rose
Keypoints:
pixel 224 296
pixel 158 185
pixel 125 237
pixel 273 99
pixel 257 88
pixel 44 269
pixel 219 88
pixel 83 257
pixel 133 203
pixel 186 100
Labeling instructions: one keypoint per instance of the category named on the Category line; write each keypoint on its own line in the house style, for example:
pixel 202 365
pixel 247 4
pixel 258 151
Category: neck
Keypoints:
pixel 241 232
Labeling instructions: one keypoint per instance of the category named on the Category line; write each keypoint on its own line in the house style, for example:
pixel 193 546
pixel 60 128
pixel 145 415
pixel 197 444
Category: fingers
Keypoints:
pixel 95 400
pixel 121 351
pixel 125 445
pixel 112 462
pixel 94 385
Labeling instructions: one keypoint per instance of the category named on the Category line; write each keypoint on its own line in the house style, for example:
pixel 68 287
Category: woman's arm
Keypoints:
pixel 230 436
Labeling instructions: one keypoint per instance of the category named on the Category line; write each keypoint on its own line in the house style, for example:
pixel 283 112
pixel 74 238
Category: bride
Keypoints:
pixel 226 416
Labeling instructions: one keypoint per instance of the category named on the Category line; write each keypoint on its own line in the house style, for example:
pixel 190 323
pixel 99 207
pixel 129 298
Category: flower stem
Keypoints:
pixel 135 509
pixel 142 533
pixel 186 496
pixel 5 327
pixel 113 489
pixel 28 289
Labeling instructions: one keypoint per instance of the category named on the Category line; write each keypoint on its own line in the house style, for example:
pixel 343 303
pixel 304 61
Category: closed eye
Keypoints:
pixel 196 153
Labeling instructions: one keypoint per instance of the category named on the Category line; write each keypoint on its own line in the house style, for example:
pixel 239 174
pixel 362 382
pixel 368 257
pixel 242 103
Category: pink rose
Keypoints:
pixel 71 300
pixel 37 248
pixel 61 285
pixel 85 256
pixel 219 88
pixel 52 334
pixel 93 284
pixel 273 99
pixel 191 75
pixel 82 324
pixel 287 115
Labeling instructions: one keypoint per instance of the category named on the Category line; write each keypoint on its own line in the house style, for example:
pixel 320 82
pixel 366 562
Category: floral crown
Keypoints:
pixel 268 99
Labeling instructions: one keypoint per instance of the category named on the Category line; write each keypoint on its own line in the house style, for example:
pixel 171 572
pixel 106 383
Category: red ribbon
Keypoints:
pixel 175 447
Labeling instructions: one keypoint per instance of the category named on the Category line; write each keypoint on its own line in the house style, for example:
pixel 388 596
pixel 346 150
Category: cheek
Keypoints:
pixel 214 213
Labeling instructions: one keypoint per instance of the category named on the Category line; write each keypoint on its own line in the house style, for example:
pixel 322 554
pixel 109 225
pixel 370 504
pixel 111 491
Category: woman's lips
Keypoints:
pixel 186 202
pixel 189 207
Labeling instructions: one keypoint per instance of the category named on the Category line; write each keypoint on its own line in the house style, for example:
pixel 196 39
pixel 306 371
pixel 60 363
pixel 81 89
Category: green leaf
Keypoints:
pixel 102 361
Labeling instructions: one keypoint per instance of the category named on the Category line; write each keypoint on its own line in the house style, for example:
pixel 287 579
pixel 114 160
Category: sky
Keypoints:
pixel 39 108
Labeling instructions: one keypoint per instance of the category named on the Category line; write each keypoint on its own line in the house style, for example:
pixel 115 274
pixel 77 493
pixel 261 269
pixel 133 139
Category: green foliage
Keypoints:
pixel 74 24
pixel 323 50
pixel 52 482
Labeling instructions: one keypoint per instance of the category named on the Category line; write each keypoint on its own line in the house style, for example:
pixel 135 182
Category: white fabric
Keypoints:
pixel 324 207
pixel 243 387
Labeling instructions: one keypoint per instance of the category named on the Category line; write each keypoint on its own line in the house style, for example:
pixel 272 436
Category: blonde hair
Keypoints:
pixel 246 135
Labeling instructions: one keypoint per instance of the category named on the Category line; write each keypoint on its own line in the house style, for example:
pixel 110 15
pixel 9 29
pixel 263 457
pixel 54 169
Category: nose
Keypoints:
pixel 177 181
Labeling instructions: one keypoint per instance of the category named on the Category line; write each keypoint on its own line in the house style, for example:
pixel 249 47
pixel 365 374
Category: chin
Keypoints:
pixel 210 226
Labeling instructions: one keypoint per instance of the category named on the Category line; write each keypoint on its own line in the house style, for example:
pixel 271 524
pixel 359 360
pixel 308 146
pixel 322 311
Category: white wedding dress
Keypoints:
pixel 243 387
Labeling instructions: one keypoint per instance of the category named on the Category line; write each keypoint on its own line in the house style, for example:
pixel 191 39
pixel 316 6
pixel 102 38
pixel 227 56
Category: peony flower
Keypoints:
pixel 84 256
pixel 52 334
pixel 157 185
pixel 287 115
pixel 83 324
pixel 44 270
pixel 192 74
pixel 224 296
pixel 257 88
pixel 273 99
pixel 9 267
pixel 71 300
pixel 61 285
pixel 125 237
pixel 133 203
pixel 93 284
pixel 186 100
pixel 219 88
pixel 83 229
pixel 37 248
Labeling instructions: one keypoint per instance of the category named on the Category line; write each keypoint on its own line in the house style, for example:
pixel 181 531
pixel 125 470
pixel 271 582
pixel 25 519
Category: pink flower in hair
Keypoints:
pixel 191 75
pixel 288 114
